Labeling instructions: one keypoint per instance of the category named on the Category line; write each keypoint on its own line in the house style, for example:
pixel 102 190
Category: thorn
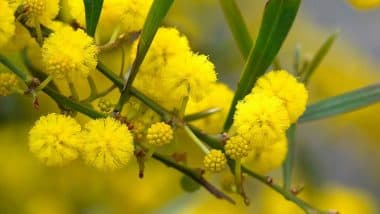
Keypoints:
pixel 297 189
pixel 180 157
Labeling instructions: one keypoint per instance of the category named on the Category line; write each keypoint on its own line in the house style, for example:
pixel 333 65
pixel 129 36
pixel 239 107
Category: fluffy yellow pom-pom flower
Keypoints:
pixel 69 53
pixel 269 157
pixel 7 22
pixel 159 134
pixel 43 10
pixel 237 147
pixel 261 119
pixel 364 4
pixel 54 139
pixel 107 144
pixel 215 161
pixel 284 86
pixel 8 82
pixel 219 96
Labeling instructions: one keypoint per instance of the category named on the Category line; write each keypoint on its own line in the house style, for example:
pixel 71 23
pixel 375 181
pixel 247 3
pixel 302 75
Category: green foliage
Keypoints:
pixel 93 10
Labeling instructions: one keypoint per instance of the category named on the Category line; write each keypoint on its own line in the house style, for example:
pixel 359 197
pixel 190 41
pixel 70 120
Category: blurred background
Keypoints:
pixel 336 158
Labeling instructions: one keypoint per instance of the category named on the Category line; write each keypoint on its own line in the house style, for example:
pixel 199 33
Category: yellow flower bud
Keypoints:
pixel 159 134
pixel 237 147
pixel 105 105
pixel 44 10
pixel 8 82
pixel 215 161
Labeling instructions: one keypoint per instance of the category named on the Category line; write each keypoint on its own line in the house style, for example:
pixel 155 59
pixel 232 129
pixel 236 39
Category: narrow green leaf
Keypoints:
pixel 287 167
pixel 343 103
pixel 278 18
pixel 153 21
pixel 237 26
pixel 93 9
pixel 319 56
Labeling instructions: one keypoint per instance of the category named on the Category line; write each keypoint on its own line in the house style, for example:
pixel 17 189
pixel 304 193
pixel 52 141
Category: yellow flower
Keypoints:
pixel 159 134
pixel 42 10
pixel 7 23
pixel 171 70
pixel 364 4
pixel 54 139
pixel 215 161
pixel 69 53
pixel 237 147
pixel 269 157
pixel 219 96
pixel 261 119
pixel 284 86
pixel 125 15
pixel 107 144
pixel 8 83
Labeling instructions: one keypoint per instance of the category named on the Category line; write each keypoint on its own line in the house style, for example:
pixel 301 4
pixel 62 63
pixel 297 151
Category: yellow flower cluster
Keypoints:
pixel 215 161
pixel 7 22
pixel 364 4
pixel 125 16
pixel 171 70
pixel 284 86
pixel 237 147
pixel 159 134
pixel 104 143
pixel 44 11
pixel 105 105
pixel 107 144
pixel 8 83
pixel 55 139
pixel 76 58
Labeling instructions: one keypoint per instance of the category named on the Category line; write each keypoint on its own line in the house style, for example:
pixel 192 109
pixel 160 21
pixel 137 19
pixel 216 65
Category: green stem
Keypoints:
pixel 196 140
pixel 37 25
pixel 237 26
pixel 201 114
pixel 44 83
pixel 73 90
pixel 91 83
pixel 289 161
pixel 238 176
pixel 99 95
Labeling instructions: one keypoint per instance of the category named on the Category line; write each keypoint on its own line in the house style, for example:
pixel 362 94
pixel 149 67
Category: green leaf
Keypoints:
pixel 237 26
pixel 278 18
pixel 93 9
pixel 343 103
pixel 153 21
pixel 287 167
pixel 319 56
pixel 201 114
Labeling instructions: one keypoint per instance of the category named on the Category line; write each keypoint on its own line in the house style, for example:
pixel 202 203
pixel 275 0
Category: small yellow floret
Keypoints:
pixel 284 86
pixel 364 4
pixel 54 139
pixel 159 134
pixel 7 22
pixel 43 10
pixel 215 161
pixel 69 53
pixel 261 119
pixel 107 144
pixel 237 147
pixel 269 157
pixel 8 83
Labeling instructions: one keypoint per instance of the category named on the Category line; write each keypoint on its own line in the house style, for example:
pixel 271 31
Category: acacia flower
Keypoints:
pixel 107 144
pixel 7 23
pixel 364 4
pixel 8 83
pixel 69 53
pixel 54 139
pixel 42 10
pixel 237 147
pixel 261 119
pixel 284 86
pixel 159 134
pixel 215 161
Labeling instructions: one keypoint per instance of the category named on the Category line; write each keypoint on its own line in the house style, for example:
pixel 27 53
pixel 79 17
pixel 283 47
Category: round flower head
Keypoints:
pixel 364 4
pixel 215 161
pixel 269 157
pixel 69 53
pixel 261 119
pixel 8 82
pixel 42 10
pixel 105 105
pixel 107 144
pixel 159 134
pixel 237 147
pixel 54 139
pixel 284 86
pixel 7 23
